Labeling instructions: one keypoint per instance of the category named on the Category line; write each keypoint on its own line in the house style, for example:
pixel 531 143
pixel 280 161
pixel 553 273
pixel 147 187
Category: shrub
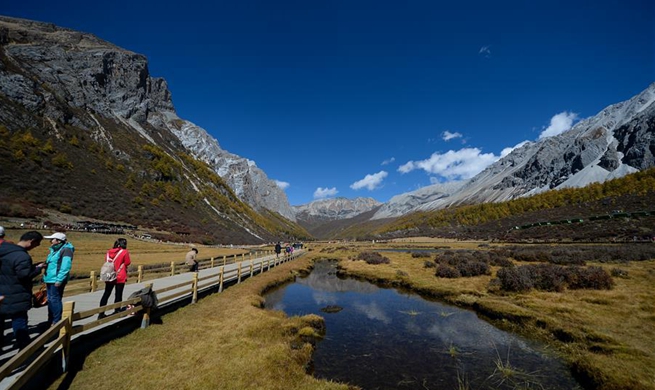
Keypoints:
pixel 429 264
pixel 470 268
pixel 591 278
pixel 420 254
pixel 515 279
pixel 500 260
pixel 548 277
pixel 61 161
pixel 373 258
pixel 551 277
pixel 444 271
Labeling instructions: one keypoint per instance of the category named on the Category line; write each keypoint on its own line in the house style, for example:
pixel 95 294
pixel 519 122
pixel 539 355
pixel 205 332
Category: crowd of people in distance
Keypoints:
pixel 288 248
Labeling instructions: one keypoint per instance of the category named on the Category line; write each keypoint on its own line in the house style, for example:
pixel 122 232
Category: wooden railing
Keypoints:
pixel 58 337
pixel 140 273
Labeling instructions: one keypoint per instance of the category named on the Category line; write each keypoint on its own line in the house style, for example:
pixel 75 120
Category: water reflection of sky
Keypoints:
pixel 390 340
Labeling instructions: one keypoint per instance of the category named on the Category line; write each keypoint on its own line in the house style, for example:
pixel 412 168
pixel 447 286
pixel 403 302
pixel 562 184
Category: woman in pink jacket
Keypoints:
pixel 121 259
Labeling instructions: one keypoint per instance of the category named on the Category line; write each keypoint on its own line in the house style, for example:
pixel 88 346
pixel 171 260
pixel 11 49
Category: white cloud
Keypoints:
pixel 447 135
pixel 282 184
pixel 325 192
pixel 388 161
pixel 485 51
pixel 370 182
pixel 509 150
pixel 559 124
pixel 453 165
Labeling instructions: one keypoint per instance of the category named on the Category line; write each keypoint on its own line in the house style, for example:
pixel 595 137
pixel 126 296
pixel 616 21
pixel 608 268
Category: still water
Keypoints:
pixel 388 339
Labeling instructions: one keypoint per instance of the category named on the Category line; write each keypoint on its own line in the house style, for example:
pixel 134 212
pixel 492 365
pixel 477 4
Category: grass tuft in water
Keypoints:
pixel 505 374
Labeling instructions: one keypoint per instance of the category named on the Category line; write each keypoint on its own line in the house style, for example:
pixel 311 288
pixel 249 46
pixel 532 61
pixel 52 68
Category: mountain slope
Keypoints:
pixel 87 131
pixel 617 141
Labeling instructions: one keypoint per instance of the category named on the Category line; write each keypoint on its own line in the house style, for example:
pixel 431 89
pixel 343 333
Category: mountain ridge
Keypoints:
pixel 94 132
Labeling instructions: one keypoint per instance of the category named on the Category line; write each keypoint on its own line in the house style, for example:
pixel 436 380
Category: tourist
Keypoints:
pixel 278 249
pixel 58 267
pixel 120 257
pixel 16 274
pixel 191 260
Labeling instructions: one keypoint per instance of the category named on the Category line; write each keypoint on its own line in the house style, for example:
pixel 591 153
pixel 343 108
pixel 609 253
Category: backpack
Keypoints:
pixel 107 272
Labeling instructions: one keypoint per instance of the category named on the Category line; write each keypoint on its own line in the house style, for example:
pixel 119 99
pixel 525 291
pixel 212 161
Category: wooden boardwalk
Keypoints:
pixel 88 301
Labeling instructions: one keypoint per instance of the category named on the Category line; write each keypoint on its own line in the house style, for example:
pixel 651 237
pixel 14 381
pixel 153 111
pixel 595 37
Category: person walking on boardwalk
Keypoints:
pixel 278 249
pixel 120 257
pixel 16 274
pixel 191 260
pixel 58 267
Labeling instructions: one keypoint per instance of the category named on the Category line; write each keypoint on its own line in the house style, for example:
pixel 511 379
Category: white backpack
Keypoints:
pixel 107 271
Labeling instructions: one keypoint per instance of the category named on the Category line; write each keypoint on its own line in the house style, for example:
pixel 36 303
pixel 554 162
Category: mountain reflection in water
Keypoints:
pixel 386 339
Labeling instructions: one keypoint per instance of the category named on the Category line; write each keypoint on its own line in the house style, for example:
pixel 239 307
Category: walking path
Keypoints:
pixel 38 317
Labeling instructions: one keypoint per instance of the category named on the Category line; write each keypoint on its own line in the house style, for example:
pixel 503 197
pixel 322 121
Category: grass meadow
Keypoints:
pixel 227 341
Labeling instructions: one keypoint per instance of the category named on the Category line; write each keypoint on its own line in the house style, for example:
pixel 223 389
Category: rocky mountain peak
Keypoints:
pixel 335 208
pixel 617 141
pixel 74 78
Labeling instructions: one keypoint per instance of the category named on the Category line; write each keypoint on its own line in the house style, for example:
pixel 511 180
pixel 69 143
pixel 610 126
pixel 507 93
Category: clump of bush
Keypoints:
pixel 552 277
pixel 373 258
pixel 420 254
pixel 445 271
pixel 429 264
pixel 579 255
pixel 464 263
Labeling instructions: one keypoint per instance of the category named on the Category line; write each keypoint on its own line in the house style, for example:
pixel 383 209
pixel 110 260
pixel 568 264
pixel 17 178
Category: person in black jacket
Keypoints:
pixel 278 249
pixel 16 274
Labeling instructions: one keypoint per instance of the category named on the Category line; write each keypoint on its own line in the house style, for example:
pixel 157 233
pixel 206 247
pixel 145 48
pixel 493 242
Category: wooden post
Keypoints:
pixel 194 299
pixel 92 278
pixel 251 267
pixel 172 268
pixel 220 280
pixel 224 260
pixel 145 321
pixel 139 277
pixel 212 263
pixel 66 331
pixel 239 274
pixel 243 257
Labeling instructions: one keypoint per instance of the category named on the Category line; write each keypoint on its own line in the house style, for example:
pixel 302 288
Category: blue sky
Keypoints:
pixel 377 98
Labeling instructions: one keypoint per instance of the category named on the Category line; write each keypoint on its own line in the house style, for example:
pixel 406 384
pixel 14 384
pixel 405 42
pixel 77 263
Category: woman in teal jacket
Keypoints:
pixel 58 267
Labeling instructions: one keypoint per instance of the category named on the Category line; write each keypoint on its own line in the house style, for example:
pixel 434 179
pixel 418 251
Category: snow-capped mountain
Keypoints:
pixel 618 141
pixel 334 209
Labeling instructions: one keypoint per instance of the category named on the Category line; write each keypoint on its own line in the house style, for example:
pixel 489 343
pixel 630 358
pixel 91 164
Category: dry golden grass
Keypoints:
pixel 90 249
pixel 224 342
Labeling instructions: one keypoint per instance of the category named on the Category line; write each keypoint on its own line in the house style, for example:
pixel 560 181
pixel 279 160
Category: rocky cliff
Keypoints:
pixel 74 78
pixel 99 136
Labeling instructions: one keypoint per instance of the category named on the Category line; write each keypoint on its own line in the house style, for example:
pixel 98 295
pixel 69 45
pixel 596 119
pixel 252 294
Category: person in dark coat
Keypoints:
pixel 16 274
pixel 278 249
